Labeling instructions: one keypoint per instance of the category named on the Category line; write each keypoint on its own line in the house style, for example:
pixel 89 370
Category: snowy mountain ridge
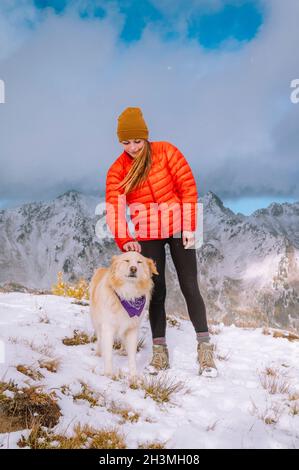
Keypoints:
pixel 248 266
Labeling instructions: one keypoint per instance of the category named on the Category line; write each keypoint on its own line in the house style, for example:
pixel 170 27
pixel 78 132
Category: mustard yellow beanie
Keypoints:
pixel 131 125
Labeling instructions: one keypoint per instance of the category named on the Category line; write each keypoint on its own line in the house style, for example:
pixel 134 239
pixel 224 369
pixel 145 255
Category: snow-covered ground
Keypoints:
pixel 225 412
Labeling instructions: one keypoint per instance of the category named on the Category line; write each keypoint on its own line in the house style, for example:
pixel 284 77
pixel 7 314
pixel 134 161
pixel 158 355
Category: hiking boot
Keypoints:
pixel 207 366
pixel 160 359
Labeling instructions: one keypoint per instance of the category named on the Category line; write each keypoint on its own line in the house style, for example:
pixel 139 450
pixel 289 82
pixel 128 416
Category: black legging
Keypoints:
pixel 186 268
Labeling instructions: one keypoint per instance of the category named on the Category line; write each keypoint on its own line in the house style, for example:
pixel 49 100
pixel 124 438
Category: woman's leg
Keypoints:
pixel 155 249
pixel 186 268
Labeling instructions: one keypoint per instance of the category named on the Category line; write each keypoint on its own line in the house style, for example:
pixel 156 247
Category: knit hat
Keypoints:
pixel 131 125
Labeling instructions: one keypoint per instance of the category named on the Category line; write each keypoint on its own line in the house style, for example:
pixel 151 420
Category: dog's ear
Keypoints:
pixel 152 266
pixel 113 263
pixel 112 269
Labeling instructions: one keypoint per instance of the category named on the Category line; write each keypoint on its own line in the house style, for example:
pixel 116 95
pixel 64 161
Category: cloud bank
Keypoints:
pixel 68 78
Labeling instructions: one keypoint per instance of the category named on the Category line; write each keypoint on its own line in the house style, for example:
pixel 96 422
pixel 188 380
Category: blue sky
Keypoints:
pixel 239 20
pixel 247 205
pixel 202 71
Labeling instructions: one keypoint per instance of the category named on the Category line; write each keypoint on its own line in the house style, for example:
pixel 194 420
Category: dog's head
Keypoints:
pixel 132 267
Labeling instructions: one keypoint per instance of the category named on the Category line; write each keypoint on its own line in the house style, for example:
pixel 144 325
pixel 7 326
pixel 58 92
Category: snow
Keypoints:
pixel 214 413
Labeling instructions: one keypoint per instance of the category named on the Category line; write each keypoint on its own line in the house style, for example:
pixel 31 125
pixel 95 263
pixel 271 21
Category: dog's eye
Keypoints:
pixel 127 260
pixel 139 262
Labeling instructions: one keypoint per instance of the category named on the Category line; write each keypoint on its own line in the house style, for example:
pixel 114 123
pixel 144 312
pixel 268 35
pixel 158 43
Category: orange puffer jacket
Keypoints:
pixel 164 204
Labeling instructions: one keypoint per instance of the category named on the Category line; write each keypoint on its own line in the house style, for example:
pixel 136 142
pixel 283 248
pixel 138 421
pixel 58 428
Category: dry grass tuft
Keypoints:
pixel 274 381
pixel 28 404
pixel 127 414
pixel 269 415
pixel 52 365
pixel 46 349
pixel 79 337
pixel 34 374
pixel 289 335
pixel 173 321
pixel 89 395
pixel 13 340
pixel 8 423
pixel 84 437
pixel 43 318
pixel 107 439
pixel 80 302
pixel 294 409
pixel 11 386
pixel 159 387
pixel 118 376
pixel 121 348
pixel 65 390
pixel 141 344
pixel 294 396
pixel 152 445
pixel 79 291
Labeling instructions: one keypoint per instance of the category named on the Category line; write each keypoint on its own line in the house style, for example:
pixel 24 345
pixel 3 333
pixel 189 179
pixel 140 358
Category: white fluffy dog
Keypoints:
pixel 119 296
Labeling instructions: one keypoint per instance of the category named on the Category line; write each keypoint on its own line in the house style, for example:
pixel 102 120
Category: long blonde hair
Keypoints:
pixel 139 170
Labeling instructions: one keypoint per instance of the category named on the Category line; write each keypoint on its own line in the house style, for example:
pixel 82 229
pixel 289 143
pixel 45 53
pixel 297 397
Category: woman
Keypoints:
pixel 157 183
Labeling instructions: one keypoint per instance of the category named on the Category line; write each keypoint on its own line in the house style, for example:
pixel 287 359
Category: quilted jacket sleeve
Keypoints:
pixel 116 206
pixel 185 186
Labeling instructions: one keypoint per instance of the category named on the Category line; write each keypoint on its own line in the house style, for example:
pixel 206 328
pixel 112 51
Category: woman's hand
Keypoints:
pixel 188 239
pixel 132 246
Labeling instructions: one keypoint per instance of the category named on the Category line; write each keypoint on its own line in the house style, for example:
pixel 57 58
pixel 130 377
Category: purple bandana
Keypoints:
pixel 133 307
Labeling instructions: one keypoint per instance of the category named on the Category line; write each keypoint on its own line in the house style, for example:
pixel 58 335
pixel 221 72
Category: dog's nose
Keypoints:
pixel 133 269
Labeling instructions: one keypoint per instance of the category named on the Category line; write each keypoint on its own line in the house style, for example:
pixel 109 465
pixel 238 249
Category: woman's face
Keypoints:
pixel 133 146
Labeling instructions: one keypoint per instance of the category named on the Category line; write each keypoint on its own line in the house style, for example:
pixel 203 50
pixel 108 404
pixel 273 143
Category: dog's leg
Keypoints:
pixel 131 337
pixel 99 341
pixel 107 348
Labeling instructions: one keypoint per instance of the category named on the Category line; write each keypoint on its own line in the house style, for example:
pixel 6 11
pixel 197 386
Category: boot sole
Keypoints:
pixel 153 371
pixel 211 372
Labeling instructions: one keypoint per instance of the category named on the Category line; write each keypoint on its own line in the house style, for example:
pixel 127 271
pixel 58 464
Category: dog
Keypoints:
pixel 119 297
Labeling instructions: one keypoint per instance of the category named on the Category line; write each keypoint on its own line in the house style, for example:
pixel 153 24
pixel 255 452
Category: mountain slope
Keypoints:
pixel 248 266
